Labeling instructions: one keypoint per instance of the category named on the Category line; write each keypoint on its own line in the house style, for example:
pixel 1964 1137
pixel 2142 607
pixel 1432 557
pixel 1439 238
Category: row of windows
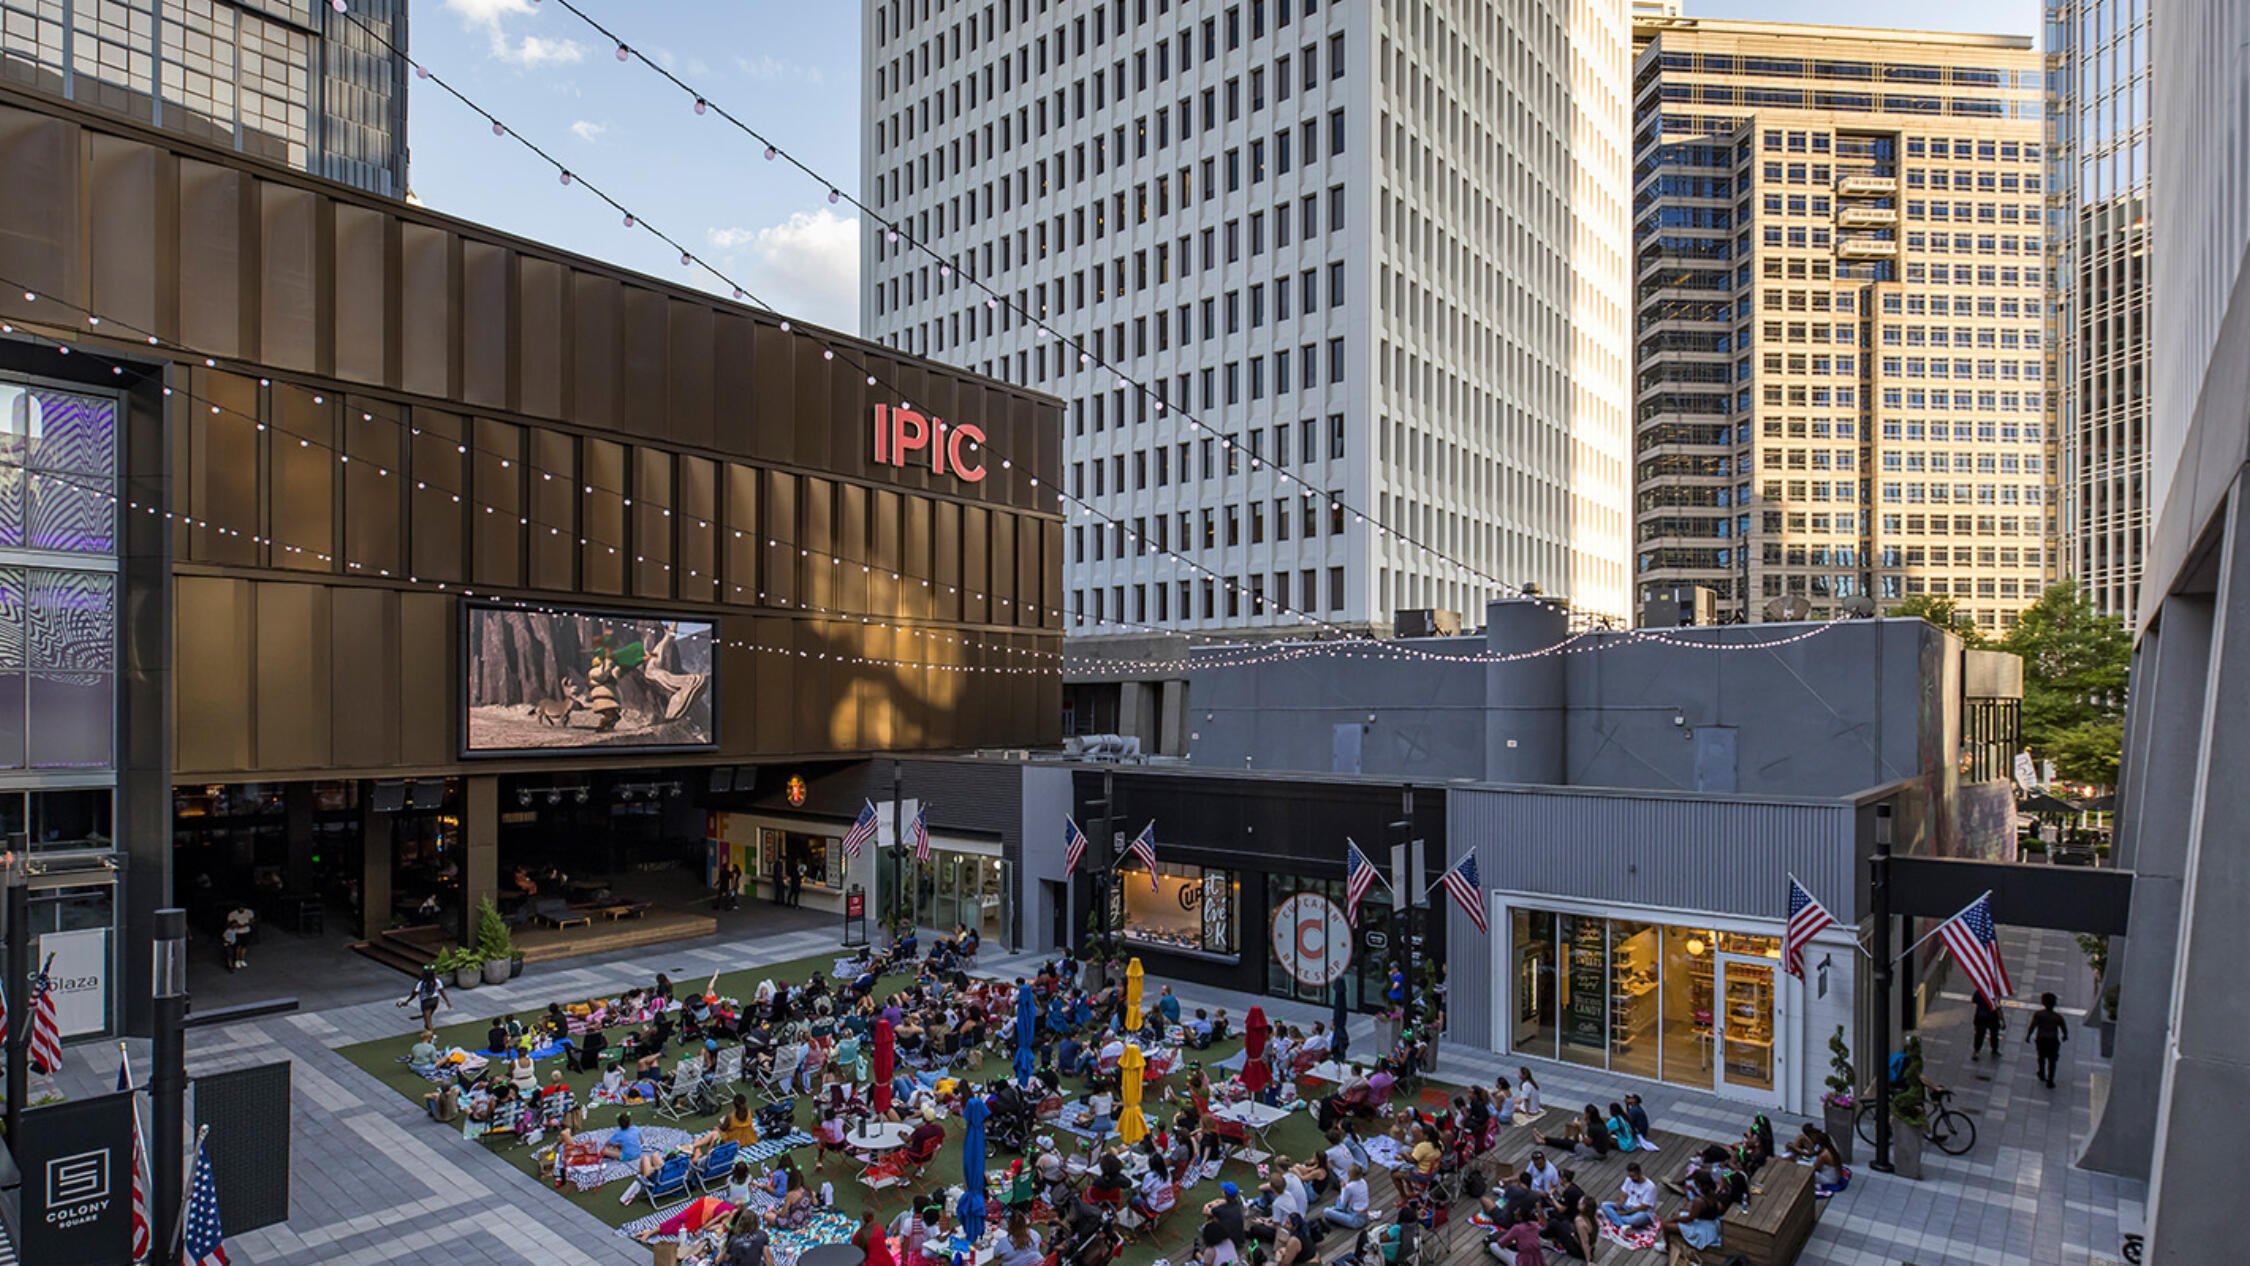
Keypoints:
pixel 1238 594
pixel 1846 71
pixel 1210 527
pixel 1986 462
pixel 1962 336
pixel 1767 98
pixel 1961 494
pixel 1895 398
pixel 1214 458
pixel 1775 140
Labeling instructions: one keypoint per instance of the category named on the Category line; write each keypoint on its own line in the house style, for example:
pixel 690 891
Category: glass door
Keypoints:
pixel 1746 1024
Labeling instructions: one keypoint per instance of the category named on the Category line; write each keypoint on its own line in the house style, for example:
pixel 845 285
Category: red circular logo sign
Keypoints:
pixel 1311 940
pixel 795 790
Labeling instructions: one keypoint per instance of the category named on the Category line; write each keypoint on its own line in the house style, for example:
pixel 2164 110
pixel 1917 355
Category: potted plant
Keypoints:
pixel 495 949
pixel 462 964
pixel 1837 1105
pixel 1910 1114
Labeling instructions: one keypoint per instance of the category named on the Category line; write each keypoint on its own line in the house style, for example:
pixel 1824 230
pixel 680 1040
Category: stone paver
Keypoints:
pixel 373 1188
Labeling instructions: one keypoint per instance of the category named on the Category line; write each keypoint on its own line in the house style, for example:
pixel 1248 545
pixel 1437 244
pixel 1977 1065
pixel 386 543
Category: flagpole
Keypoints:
pixel 187 1191
pixel 140 1147
pixel 1939 928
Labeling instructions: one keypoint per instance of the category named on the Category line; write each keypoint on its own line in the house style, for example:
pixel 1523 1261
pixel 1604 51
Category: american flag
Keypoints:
pixel 922 834
pixel 46 1030
pixel 1807 919
pixel 862 831
pixel 1468 890
pixel 1359 876
pixel 140 1160
pixel 203 1235
pixel 1976 946
pixel 1144 847
pixel 1074 850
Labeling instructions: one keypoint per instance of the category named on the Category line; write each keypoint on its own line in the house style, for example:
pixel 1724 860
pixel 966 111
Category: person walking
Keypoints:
pixel 2047 1032
pixel 797 885
pixel 428 992
pixel 1987 1026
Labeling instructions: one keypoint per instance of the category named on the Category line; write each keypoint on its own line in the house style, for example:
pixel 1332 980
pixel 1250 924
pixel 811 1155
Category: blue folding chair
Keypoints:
pixel 717 1166
pixel 670 1179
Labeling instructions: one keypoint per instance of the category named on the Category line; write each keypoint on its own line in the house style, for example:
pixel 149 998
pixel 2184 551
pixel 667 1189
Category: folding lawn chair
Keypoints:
pixel 717 1166
pixel 730 1066
pixel 670 1179
pixel 676 1099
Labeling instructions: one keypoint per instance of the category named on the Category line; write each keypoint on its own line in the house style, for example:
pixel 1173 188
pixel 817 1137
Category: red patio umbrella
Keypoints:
pixel 885 1052
pixel 1254 1029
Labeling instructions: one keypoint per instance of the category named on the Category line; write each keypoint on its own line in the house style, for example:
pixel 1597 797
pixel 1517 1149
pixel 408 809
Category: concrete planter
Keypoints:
pixel 467 977
pixel 495 971
pixel 1838 1122
pixel 1906 1149
pixel 515 967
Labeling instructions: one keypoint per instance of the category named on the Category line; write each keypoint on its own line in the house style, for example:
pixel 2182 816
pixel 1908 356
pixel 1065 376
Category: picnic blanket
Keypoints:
pixel 766 1149
pixel 548 1051
pixel 1633 1237
pixel 656 1138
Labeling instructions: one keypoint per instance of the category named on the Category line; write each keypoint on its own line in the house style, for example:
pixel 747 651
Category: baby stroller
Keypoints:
pixel 1089 1236
pixel 1013 1117
pixel 777 1120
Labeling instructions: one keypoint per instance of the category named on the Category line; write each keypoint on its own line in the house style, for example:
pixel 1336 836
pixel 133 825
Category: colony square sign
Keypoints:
pixel 949 448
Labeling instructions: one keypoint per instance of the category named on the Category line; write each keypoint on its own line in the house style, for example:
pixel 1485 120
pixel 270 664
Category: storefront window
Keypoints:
pixel 959 889
pixel 1679 1004
pixel 1633 998
pixel 1189 908
pixel 812 855
pixel 1688 983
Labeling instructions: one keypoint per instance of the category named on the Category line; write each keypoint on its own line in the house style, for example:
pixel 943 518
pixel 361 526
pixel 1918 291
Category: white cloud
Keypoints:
pixel 767 66
pixel 529 51
pixel 807 265
pixel 587 130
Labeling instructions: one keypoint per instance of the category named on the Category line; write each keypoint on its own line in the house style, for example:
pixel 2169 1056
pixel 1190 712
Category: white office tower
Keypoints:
pixel 1376 247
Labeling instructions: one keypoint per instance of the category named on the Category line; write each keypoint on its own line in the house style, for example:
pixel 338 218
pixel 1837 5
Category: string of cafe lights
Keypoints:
pixel 1589 641
pixel 950 269
pixel 1246 656
pixel 833 350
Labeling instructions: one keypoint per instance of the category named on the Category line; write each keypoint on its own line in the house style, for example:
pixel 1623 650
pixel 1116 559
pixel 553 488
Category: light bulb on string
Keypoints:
pixel 564 177
pixel 624 53
pixel 702 106
pixel 499 128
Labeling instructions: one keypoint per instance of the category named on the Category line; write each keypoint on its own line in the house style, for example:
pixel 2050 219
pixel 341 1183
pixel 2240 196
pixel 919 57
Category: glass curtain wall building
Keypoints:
pixel 292 81
pixel 2098 181
pixel 1841 391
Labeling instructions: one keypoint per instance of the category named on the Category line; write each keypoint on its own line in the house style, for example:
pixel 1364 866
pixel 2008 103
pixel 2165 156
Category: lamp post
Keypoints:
pixel 901 903
pixel 1879 903
pixel 167 1078
pixel 17 993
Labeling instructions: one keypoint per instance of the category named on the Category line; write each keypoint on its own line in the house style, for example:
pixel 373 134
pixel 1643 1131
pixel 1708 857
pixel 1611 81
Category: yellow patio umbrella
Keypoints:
pixel 1131 1125
pixel 1133 996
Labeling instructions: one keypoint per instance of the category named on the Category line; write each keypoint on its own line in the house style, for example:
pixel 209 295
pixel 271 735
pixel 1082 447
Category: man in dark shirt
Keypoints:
pixel 1228 1212
pixel 2047 1032
pixel 925 1139
pixel 747 1244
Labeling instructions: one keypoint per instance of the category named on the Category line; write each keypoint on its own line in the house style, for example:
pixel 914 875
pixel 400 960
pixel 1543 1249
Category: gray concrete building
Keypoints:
pixel 2183 1037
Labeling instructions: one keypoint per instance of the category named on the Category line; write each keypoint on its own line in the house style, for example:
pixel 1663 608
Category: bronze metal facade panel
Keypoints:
pixel 426 295
pixel 39 206
pixel 292 689
pixel 290 270
pixel 304 482
pixel 746 453
pixel 496 481
pixel 213 678
pixel 485 291
pixel 439 507
pixel 126 200
pixel 364 308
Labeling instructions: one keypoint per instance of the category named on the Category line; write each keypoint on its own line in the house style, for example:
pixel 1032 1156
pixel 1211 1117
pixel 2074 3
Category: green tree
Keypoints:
pixel 1939 609
pixel 2074 669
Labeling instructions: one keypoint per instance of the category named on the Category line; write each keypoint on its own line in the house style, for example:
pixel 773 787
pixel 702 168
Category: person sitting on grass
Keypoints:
pixel 747 1243
pixel 787 1184
pixel 626 1144
pixel 739 1125
pixel 422 1057
pixel 496 1038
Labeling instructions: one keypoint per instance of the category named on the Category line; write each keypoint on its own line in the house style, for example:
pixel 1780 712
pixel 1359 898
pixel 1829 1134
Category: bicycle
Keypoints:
pixel 1949 1129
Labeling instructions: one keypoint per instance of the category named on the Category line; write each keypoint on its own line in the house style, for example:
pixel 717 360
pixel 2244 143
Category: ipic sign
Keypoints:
pixel 949 448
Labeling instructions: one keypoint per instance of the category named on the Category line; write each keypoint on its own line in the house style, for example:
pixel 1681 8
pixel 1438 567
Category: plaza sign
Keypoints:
pixel 948 448
pixel 1311 940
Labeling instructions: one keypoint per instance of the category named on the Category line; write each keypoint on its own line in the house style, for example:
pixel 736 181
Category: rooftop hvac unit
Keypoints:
pixel 1680 606
pixel 1426 622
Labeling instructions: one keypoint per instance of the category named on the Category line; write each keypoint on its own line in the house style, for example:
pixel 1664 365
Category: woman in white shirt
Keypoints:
pixel 1350 1209
pixel 1527 1093
pixel 524 1073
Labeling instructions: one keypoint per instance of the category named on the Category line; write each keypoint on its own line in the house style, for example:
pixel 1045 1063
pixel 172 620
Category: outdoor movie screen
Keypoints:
pixel 546 680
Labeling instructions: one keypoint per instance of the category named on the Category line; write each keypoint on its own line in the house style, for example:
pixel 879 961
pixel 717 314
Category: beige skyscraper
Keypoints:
pixel 1840 361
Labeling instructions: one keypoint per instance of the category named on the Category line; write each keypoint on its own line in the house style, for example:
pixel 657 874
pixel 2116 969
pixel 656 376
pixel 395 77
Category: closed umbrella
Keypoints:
pixel 1131 1125
pixel 1255 1075
pixel 971 1208
pixel 886 1055
pixel 1339 1039
pixel 1133 996
pixel 1027 1022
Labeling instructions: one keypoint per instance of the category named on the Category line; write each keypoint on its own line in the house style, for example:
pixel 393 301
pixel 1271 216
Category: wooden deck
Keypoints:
pixel 1770 1233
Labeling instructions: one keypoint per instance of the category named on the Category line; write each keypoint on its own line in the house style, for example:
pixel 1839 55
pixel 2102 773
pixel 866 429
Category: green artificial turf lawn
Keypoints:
pixel 384 1060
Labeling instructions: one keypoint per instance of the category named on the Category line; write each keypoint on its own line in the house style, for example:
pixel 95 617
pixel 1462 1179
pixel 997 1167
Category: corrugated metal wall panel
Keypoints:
pixel 1726 857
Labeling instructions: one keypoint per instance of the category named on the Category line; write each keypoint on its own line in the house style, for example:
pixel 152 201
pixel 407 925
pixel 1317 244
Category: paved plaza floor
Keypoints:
pixel 376 1183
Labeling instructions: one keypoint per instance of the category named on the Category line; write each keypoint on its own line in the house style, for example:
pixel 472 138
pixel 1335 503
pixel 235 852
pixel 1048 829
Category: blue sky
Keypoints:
pixel 790 69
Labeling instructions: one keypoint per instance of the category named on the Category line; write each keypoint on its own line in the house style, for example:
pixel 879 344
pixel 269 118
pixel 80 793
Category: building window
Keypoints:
pixel 1188 908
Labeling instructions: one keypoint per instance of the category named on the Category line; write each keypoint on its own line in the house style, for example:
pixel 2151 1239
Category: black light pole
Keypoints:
pixel 1879 902
pixel 167 1079
pixel 17 990
pixel 1103 859
pixel 902 907
pixel 1403 901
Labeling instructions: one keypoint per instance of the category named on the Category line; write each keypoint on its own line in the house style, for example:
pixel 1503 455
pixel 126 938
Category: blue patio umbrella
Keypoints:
pixel 1339 1039
pixel 1027 1022
pixel 971 1208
